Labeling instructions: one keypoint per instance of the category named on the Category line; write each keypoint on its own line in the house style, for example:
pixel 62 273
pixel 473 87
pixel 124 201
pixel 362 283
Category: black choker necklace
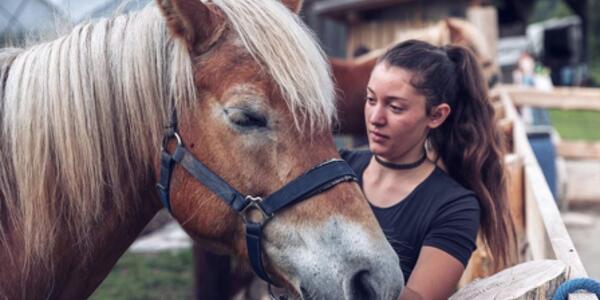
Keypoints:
pixel 401 166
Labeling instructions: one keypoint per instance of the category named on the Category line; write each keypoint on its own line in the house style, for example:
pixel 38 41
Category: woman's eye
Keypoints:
pixel 396 109
pixel 370 100
pixel 246 119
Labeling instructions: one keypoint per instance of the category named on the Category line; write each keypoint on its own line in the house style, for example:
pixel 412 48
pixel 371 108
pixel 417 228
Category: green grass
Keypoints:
pixel 149 276
pixel 576 125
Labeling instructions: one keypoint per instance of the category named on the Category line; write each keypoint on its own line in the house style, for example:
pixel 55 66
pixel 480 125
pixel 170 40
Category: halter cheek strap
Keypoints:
pixel 315 181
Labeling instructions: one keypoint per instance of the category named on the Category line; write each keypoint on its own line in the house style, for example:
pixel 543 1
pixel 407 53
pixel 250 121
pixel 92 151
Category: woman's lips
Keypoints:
pixel 377 137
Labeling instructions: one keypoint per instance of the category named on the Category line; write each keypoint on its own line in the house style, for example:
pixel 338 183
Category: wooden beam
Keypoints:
pixel 486 19
pixel 559 98
pixel 516 192
pixel 578 149
pixel 531 280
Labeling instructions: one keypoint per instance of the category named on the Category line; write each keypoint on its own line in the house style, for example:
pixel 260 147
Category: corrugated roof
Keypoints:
pixel 79 10
pixel 18 17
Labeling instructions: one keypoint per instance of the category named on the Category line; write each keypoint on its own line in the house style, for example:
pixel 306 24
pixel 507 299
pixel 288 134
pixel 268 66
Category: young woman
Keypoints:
pixel 433 173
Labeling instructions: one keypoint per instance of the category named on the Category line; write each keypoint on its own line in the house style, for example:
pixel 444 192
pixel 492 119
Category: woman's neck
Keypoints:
pixel 385 187
pixel 378 171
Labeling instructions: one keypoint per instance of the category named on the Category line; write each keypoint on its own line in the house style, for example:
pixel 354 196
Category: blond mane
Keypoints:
pixel 81 117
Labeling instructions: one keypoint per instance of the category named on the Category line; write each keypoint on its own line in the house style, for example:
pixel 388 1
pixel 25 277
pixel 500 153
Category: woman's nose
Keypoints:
pixel 377 116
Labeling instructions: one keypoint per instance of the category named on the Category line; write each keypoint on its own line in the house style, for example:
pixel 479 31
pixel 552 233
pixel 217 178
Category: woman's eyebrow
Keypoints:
pixel 390 97
pixel 371 90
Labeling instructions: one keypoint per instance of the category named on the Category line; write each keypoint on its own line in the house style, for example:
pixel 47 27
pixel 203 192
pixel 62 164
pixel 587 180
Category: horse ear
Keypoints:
pixel 199 25
pixel 456 34
pixel 293 5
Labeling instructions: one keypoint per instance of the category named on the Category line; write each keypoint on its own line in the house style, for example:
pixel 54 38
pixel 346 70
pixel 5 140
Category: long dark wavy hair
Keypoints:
pixel 468 142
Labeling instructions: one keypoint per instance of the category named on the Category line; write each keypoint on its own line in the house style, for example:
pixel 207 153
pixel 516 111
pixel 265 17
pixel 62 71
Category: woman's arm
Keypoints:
pixel 435 276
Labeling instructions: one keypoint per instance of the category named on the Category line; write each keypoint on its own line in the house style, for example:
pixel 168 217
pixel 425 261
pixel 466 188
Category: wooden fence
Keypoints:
pixel 546 255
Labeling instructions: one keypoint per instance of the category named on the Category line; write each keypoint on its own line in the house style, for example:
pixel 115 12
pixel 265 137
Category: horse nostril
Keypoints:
pixel 361 287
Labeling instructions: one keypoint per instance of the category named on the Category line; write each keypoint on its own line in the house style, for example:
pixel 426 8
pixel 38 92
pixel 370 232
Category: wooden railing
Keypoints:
pixel 547 255
pixel 559 97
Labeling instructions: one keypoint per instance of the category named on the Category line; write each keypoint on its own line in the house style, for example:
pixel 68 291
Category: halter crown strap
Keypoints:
pixel 315 181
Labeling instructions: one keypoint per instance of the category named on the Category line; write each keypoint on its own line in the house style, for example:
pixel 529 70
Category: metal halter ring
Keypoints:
pixel 254 205
pixel 170 136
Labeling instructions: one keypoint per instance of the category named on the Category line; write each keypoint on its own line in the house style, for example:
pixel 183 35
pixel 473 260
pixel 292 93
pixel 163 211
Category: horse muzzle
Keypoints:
pixel 338 260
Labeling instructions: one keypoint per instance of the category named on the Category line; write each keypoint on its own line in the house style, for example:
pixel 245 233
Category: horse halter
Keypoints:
pixel 317 180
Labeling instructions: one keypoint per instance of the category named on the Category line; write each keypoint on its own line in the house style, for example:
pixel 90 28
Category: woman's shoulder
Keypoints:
pixel 358 159
pixel 355 155
pixel 449 191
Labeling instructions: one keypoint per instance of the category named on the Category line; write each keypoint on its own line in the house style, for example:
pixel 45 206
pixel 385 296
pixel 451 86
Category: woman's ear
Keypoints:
pixel 438 115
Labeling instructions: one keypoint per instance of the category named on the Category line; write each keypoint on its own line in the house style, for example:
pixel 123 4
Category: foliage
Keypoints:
pixel 544 10
pixel 593 46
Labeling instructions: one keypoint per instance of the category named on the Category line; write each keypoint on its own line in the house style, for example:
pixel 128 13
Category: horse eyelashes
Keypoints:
pixel 246 119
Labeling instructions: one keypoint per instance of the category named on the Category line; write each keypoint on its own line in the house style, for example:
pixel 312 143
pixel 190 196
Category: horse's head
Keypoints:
pixel 262 117
pixel 465 34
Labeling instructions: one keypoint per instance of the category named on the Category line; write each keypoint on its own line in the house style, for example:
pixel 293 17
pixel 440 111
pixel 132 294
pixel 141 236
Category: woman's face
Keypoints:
pixel 395 114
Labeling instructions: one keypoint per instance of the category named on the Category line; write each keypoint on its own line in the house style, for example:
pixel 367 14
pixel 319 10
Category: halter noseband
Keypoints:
pixel 317 180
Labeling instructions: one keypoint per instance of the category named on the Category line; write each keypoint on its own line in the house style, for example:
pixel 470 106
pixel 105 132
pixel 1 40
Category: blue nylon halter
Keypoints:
pixel 317 180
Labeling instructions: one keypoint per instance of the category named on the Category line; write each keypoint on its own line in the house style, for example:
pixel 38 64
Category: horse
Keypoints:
pixel 240 86
pixel 352 76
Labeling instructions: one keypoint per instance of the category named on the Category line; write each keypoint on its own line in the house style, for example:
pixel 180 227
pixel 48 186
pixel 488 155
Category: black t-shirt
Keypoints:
pixel 439 213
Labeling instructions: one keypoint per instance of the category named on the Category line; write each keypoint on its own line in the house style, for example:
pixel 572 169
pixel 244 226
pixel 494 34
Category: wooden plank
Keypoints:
pixel 531 280
pixel 506 127
pixel 558 98
pixel 498 110
pixel 545 229
pixel 486 19
pixel 563 91
pixel 582 296
pixel 537 236
pixel 516 191
pixel 478 266
pixel 351 40
pixel 578 149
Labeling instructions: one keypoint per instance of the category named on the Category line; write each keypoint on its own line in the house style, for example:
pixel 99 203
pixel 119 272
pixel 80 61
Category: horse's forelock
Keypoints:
pixel 282 43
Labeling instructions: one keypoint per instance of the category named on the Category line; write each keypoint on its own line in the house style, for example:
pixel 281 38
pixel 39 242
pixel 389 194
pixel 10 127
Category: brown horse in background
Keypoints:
pixel 82 120
pixel 352 76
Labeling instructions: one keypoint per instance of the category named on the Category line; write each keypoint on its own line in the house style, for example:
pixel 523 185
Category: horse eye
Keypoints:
pixel 247 119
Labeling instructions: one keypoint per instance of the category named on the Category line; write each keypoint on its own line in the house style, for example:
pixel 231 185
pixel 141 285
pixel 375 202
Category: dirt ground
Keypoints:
pixel 583 215
pixel 583 224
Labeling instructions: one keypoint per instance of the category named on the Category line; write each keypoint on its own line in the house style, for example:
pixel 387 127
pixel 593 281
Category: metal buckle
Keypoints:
pixel 249 215
pixel 168 137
